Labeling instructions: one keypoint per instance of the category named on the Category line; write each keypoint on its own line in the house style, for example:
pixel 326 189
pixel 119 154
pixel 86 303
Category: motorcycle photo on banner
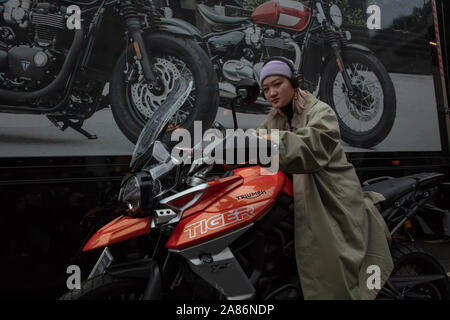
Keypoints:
pixel 57 60
pixel 346 75
pixel 195 230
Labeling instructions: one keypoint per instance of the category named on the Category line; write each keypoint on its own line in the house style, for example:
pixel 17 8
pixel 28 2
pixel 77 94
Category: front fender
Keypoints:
pixel 329 55
pixel 181 24
pixel 120 229
pixel 358 47
pixel 177 27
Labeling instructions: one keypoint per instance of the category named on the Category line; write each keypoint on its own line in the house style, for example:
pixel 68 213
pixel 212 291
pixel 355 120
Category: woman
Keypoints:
pixel 338 231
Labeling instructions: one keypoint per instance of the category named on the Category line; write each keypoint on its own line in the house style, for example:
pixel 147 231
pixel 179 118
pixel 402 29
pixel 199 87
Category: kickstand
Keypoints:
pixel 66 123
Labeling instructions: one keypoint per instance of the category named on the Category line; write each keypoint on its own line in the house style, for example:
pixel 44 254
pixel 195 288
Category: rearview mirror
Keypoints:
pixel 248 90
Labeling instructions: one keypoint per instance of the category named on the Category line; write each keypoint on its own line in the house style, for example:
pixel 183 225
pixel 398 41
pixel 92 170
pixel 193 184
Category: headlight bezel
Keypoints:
pixel 336 17
pixel 141 183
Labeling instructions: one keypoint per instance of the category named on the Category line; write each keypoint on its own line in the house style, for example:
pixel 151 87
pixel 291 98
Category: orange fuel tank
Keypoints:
pixel 248 194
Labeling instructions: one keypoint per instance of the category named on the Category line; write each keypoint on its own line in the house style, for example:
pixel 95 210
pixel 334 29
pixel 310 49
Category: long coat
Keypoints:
pixel 339 232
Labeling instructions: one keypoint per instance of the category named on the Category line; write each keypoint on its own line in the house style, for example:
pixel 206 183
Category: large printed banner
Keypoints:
pixel 387 48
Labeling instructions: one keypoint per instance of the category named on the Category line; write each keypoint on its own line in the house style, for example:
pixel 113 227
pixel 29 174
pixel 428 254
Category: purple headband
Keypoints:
pixel 275 68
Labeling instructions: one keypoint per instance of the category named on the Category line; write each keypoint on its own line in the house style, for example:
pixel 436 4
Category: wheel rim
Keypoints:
pixel 358 115
pixel 143 98
pixel 429 291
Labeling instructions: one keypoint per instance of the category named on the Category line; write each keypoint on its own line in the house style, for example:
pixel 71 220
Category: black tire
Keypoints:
pixel 410 260
pixel 203 102
pixel 381 122
pixel 107 287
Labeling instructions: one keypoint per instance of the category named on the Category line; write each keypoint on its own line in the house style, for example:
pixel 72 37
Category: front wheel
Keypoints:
pixel 366 118
pixel 133 100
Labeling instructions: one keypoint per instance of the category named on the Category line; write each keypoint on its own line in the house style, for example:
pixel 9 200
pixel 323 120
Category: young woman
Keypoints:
pixel 339 233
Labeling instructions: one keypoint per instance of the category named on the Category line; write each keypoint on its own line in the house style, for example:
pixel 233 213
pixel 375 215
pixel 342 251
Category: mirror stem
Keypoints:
pixel 233 110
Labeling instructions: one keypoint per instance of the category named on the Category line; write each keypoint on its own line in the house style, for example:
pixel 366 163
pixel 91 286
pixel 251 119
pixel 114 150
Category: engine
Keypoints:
pixel 29 36
pixel 236 70
pixel 253 41
pixel 239 52
pixel 17 12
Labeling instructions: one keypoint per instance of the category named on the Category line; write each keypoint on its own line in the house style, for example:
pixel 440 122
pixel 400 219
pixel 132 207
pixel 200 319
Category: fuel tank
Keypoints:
pixel 285 14
pixel 247 195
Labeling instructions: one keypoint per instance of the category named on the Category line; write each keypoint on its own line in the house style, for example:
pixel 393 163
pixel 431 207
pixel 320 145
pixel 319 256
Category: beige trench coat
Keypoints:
pixel 338 231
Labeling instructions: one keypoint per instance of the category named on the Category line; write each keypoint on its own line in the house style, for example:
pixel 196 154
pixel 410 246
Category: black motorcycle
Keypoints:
pixel 47 68
pixel 346 76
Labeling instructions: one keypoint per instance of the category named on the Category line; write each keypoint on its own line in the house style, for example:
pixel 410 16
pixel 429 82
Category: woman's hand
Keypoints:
pixel 265 136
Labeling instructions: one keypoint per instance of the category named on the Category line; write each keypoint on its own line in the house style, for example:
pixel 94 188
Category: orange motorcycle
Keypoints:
pixel 192 231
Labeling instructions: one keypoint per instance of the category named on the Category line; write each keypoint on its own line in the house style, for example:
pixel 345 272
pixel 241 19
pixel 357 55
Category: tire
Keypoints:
pixel 107 287
pixel 374 80
pixel 409 260
pixel 175 56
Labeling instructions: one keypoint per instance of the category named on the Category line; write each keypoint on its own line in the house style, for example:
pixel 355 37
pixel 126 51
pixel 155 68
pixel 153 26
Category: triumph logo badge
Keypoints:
pixel 25 65
pixel 251 195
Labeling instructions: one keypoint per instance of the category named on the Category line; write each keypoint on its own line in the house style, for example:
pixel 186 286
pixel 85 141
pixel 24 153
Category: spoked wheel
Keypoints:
pixel 410 261
pixel 366 117
pixel 133 100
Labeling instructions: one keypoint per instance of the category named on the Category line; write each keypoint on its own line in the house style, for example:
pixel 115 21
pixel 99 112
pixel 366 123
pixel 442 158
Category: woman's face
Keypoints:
pixel 278 91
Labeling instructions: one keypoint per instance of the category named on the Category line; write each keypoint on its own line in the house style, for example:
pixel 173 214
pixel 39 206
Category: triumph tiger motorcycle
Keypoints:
pixel 347 76
pixel 48 68
pixel 193 232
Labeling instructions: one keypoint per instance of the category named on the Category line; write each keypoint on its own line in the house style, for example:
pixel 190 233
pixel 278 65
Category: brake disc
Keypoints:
pixel 367 107
pixel 145 100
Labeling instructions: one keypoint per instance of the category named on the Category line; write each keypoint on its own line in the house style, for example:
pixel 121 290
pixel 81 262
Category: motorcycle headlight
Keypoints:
pixel 130 192
pixel 336 15
pixel 136 191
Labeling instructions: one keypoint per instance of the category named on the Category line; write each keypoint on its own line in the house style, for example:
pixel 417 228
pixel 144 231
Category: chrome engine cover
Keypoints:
pixel 17 13
pixel 236 70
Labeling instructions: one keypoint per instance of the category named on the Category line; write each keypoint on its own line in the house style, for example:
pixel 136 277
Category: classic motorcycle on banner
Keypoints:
pixel 192 231
pixel 58 57
pixel 346 76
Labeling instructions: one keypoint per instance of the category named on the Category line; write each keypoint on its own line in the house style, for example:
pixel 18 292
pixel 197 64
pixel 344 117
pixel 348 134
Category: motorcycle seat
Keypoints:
pixel 394 188
pixel 212 17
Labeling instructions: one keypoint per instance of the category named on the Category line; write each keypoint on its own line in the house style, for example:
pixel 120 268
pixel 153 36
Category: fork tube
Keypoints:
pixel 133 24
pixel 340 62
